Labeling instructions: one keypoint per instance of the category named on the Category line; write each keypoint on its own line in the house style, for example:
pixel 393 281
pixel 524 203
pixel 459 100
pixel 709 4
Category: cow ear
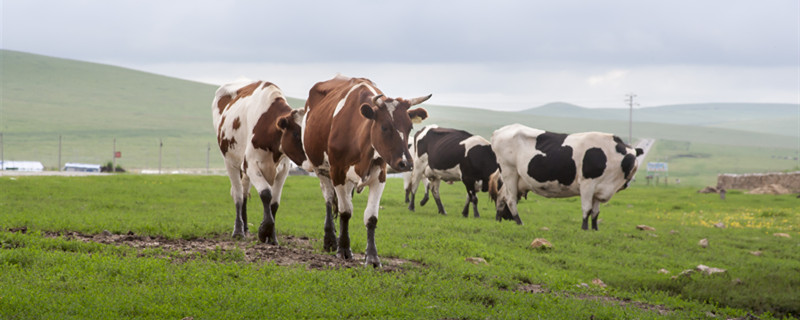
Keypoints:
pixel 639 151
pixel 367 111
pixel 283 122
pixel 417 115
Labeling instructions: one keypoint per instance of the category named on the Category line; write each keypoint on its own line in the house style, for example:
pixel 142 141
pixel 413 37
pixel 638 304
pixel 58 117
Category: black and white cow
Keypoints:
pixel 593 165
pixel 442 154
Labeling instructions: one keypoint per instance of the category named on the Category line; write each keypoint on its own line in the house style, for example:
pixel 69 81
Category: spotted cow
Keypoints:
pixel 443 154
pixel 249 117
pixel 351 132
pixel 593 165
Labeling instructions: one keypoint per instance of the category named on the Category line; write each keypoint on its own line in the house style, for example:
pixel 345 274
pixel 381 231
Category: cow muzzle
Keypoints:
pixel 404 165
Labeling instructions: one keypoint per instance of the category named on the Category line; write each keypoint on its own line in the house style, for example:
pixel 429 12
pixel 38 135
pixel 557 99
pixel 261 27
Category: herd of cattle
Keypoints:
pixel 349 132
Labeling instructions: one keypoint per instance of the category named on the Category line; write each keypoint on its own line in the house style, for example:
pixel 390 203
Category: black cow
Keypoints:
pixel 442 154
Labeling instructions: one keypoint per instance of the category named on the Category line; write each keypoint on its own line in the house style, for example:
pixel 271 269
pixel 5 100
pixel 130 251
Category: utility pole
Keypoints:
pixel 59 152
pixel 114 157
pixel 160 146
pixel 630 102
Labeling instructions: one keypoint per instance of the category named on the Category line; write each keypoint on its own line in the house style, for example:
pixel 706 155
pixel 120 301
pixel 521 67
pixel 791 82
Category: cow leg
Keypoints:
pixel 425 198
pixel 266 232
pixel 507 199
pixel 262 173
pixel 371 222
pixel 465 212
pixel 472 198
pixel 587 199
pixel 435 191
pixel 277 186
pixel 329 240
pixel 407 184
pixel 475 205
pixel 235 176
pixel 414 178
pixel 344 196
pixel 595 213
pixel 410 200
pixel 245 197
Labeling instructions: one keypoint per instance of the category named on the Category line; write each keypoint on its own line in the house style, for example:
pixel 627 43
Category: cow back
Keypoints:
pixel 324 98
pixel 443 147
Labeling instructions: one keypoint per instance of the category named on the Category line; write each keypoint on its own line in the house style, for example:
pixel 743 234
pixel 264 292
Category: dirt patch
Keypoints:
pixel 291 251
pixel 541 289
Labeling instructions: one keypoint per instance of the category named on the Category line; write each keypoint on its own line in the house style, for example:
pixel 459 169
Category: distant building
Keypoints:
pixel 81 167
pixel 21 166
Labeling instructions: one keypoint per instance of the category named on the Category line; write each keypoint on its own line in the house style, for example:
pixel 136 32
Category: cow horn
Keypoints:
pixel 418 100
pixel 375 99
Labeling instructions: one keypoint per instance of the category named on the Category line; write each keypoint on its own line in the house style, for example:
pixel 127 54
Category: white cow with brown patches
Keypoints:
pixel 249 118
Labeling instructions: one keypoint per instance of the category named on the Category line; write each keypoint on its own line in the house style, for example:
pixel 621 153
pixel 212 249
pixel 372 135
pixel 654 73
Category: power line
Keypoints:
pixel 630 102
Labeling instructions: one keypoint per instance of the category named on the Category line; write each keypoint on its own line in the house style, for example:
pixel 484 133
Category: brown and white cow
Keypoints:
pixel 593 165
pixel 351 132
pixel 249 117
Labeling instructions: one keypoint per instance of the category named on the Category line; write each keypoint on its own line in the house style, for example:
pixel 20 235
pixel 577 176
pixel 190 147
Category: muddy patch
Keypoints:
pixel 541 289
pixel 291 251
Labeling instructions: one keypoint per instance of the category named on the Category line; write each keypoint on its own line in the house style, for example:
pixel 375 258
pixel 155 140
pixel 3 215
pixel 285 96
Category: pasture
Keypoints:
pixel 172 257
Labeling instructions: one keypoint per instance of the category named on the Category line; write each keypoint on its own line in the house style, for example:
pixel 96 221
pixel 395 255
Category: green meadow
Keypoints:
pixel 46 276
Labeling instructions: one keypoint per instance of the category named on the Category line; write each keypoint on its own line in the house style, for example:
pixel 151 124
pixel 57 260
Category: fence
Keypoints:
pixel 789 180
pixel 137 154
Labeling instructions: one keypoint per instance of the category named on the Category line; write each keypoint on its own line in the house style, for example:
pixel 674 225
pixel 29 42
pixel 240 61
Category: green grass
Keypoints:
pixel 43 277
pixel 699 164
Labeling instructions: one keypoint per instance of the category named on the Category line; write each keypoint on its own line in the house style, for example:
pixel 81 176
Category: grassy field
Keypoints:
pixel 698 164
pixel 43 276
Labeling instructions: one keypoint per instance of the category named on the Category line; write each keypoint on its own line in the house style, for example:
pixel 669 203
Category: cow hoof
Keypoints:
pixel 411 208
pixel 345 253
pixel 372 261
pixel 329 244
pixel 267 232
pixel 238 235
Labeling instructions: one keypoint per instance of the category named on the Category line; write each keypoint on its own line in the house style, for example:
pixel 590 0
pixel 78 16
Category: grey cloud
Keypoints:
pixel 612 33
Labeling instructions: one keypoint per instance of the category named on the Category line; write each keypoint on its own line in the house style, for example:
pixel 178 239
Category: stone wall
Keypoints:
pixel 750 181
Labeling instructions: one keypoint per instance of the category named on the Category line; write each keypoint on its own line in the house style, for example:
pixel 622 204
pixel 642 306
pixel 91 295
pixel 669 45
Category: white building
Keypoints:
pixel 81 167
pixel 21 166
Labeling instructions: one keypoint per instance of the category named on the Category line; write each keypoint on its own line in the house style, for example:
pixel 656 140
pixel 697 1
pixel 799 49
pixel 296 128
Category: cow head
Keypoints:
pixel 391 123
pixel 291 142
pixel 630 165
pixel 495 183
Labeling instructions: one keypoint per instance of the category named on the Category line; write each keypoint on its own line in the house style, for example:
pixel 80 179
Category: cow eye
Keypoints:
pixel 384 128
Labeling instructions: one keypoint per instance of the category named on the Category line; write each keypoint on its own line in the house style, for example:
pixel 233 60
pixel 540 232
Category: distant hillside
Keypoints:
pixel 484 122
pixel 89 105
pixel 782 119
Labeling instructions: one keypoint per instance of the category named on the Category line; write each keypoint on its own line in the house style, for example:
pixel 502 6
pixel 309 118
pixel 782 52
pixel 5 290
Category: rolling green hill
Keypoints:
pixel 771 118
pixel 89 105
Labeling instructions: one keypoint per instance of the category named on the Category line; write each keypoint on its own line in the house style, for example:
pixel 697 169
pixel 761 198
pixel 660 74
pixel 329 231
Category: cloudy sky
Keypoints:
pixel 504 55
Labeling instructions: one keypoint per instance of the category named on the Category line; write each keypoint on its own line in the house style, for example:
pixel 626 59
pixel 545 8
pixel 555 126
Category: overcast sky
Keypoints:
pixel 504 55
